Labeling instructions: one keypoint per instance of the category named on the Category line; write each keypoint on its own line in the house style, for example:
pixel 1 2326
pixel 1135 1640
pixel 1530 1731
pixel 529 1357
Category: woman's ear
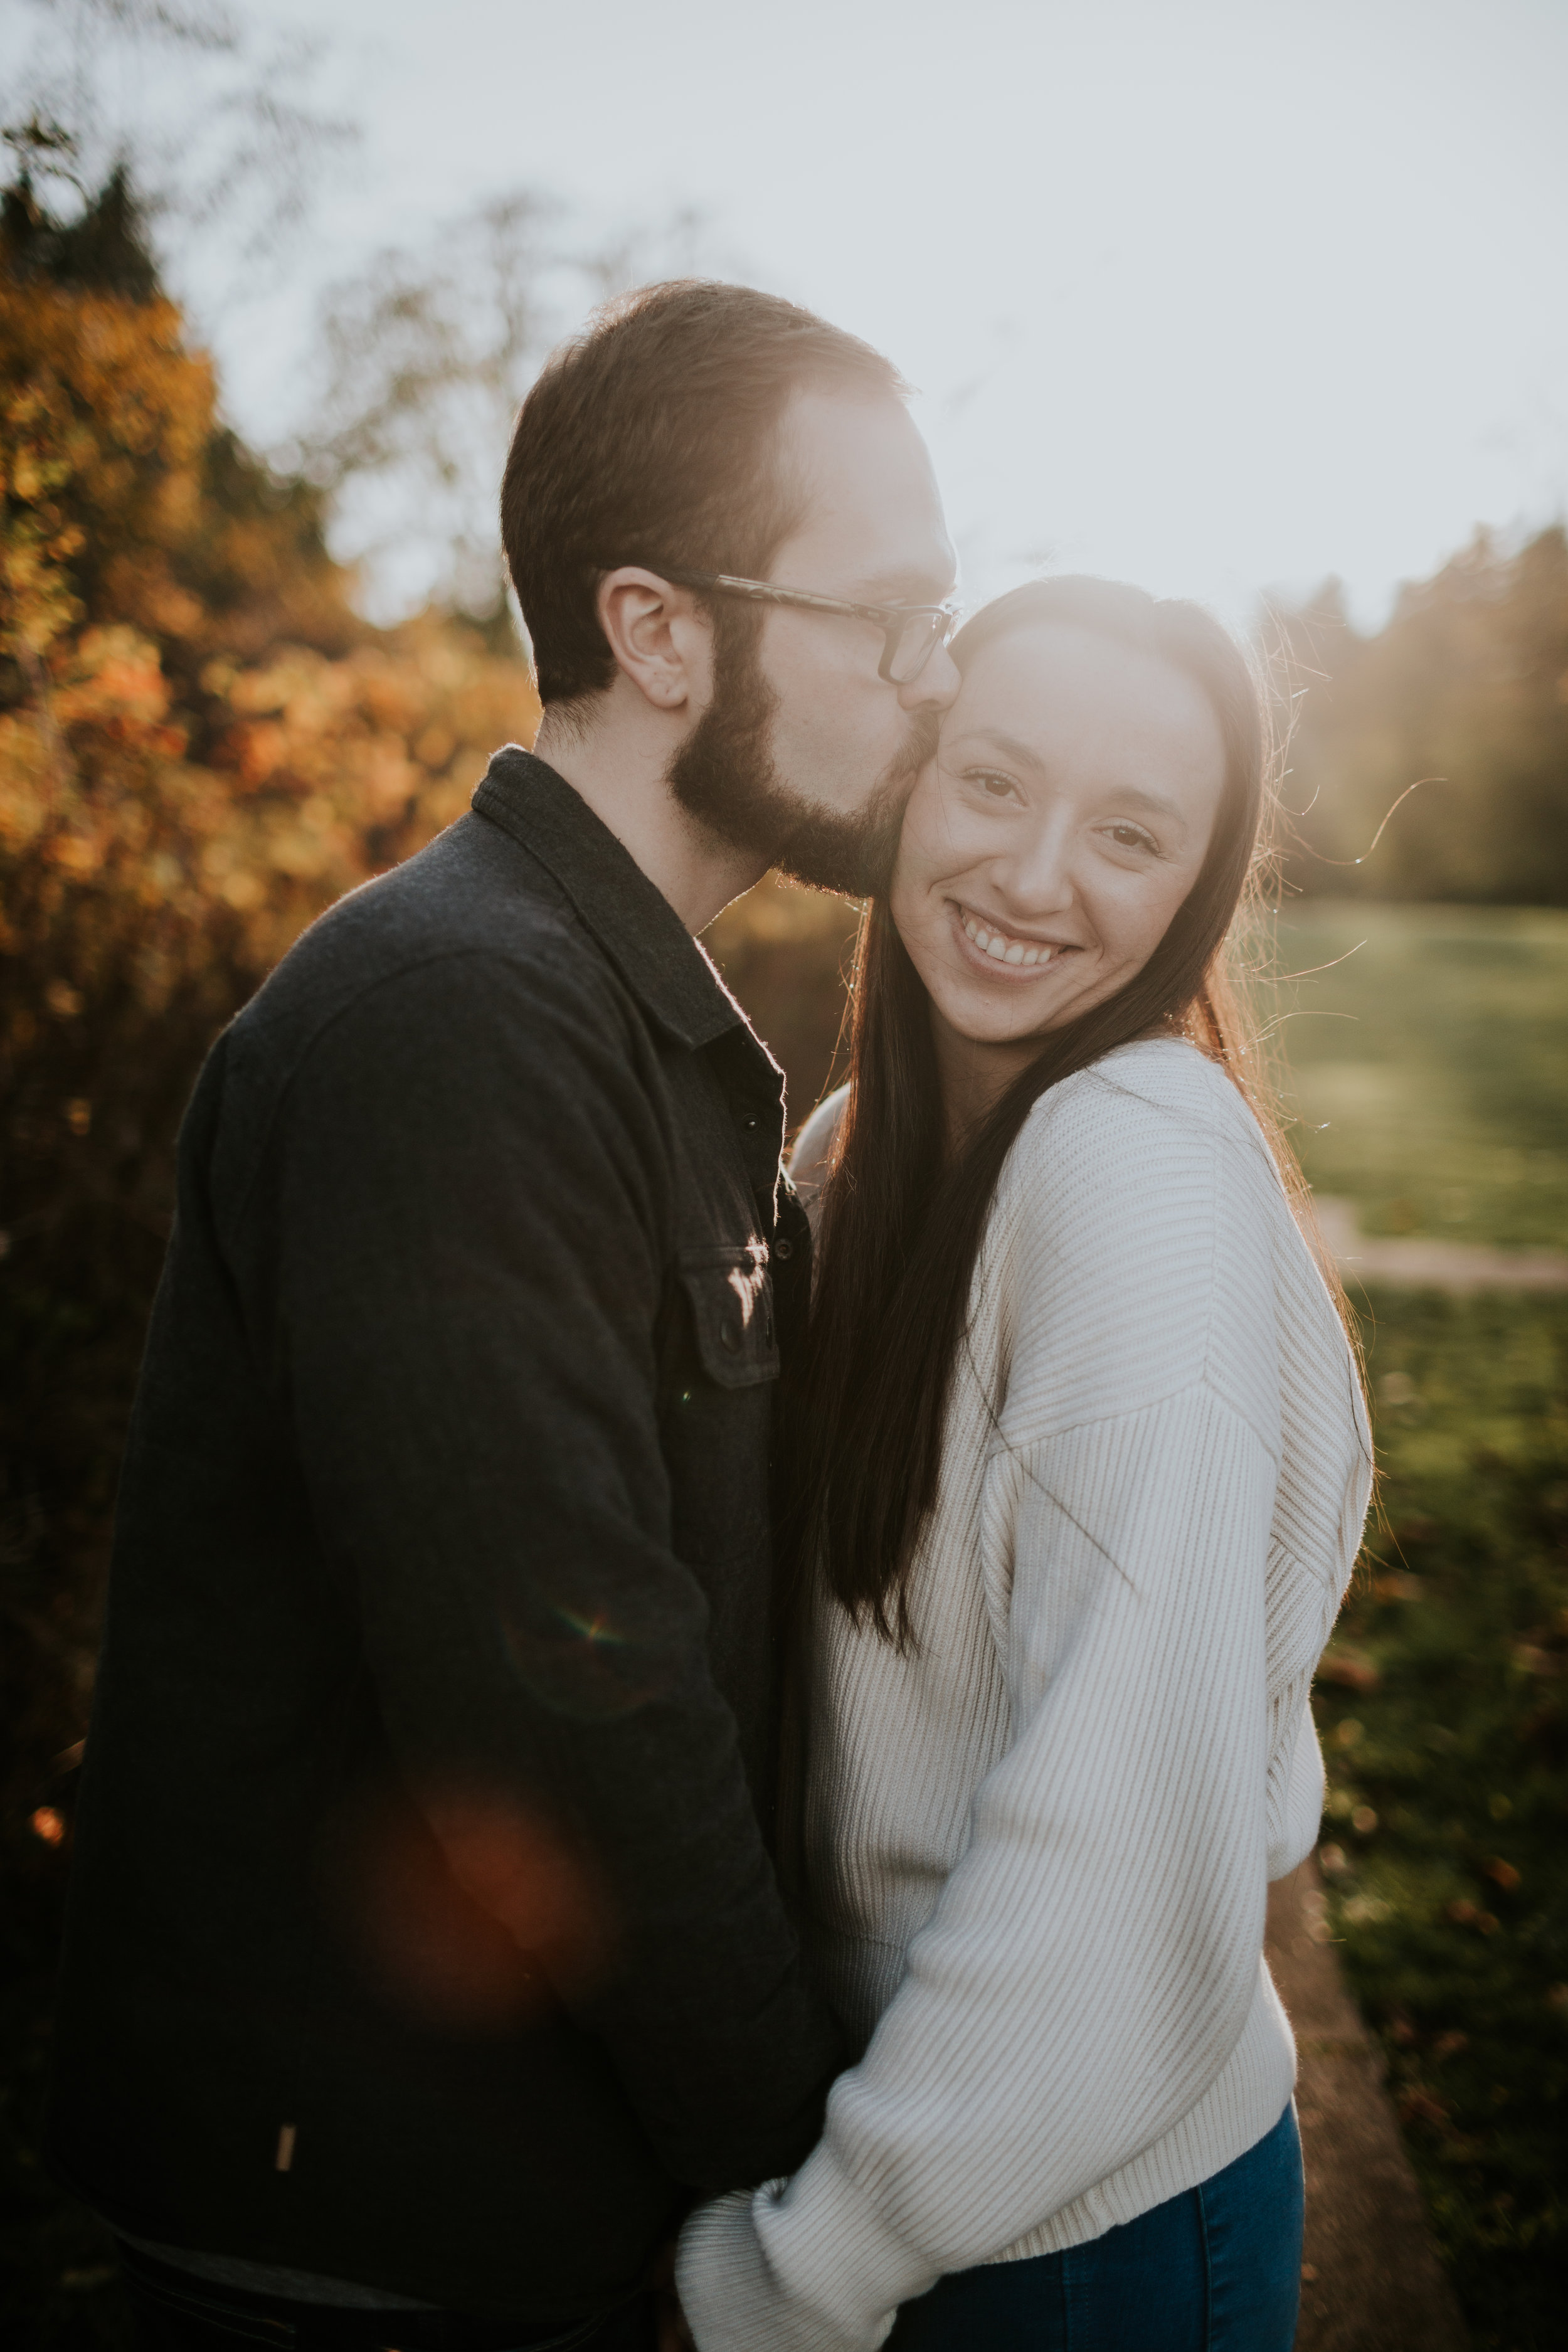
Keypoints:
pixel 660 640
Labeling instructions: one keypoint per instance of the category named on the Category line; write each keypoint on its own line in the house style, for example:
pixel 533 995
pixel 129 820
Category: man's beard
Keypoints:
pixel 724 776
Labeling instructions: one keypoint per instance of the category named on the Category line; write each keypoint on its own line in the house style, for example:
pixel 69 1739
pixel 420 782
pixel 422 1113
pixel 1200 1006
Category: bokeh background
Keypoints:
pixel 1262 303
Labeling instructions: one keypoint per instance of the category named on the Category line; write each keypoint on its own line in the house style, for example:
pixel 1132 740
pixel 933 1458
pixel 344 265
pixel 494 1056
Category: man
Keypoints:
pixel 425 1954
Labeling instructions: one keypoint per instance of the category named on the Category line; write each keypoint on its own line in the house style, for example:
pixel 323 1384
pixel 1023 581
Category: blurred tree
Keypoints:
pixel 426 355
pixel 201 744
pixel 1467 683
pixel 212 114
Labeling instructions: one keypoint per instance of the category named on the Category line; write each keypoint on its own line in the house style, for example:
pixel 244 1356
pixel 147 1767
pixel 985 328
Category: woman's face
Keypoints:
pixel 1045 849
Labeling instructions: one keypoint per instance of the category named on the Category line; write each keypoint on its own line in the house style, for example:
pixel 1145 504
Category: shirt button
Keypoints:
pixel 749 1123
pixel 784 1249
pixel 729 1338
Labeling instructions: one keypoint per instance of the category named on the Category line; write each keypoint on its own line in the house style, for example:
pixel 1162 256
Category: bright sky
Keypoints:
pixel 1211 294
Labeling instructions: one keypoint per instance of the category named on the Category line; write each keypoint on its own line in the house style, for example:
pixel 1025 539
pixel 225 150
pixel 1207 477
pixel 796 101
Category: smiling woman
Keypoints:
pixel 1079 1464
pixel 1099 799
pixel 1048 848
pixel 1078 1473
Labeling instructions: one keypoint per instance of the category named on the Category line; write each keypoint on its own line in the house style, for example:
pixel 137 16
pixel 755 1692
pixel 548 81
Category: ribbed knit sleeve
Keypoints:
pixel 1093 1958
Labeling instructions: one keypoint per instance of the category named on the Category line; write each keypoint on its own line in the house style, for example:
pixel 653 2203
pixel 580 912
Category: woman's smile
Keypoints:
pixel 1002 952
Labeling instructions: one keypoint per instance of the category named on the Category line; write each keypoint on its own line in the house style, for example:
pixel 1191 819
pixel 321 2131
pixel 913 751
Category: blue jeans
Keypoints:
pixel 1216 2270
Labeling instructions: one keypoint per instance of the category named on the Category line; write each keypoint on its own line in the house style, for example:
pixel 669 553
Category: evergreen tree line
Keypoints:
pixel 1463 695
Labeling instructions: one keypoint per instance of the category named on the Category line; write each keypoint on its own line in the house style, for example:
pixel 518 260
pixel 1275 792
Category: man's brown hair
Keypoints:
pixel 652 437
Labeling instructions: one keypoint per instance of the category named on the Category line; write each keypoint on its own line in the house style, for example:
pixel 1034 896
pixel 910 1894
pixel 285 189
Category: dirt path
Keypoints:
pixel 1370 2281
pixel 1415 1261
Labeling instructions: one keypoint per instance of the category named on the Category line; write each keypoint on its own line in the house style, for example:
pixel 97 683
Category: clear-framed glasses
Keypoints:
pixel 910 632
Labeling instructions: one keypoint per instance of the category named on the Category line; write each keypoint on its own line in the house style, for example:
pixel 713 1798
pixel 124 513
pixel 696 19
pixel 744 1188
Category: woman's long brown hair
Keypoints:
pixel 902 1222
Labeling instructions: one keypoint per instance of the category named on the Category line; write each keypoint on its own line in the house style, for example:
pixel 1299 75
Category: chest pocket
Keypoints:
pixel 732 1300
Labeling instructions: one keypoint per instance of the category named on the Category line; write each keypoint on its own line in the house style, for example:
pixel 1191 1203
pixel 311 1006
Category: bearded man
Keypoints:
pixel 426 1955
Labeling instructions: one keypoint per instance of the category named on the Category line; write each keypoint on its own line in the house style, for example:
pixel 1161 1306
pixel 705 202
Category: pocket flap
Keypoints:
pixel 731 1298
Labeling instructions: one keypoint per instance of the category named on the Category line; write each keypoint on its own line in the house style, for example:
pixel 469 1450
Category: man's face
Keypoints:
pixel 804 754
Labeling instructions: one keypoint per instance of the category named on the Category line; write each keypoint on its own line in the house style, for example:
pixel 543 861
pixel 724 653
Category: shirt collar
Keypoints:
pixel 666 969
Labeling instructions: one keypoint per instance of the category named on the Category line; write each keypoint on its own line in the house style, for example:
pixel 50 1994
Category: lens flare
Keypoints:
pixel 578 1660
pixel 467 1910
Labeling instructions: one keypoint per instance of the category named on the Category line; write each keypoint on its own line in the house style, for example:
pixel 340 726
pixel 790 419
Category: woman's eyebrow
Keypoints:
pixel 1012 747
pixel 1152 805
pixel 1025 755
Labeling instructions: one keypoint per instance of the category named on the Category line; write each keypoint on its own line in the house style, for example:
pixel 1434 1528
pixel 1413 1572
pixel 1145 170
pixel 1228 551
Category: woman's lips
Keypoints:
pixel 1001 950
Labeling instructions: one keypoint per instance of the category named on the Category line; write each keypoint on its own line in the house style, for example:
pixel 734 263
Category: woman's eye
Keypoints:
pixel 995 785
pixel 1132 836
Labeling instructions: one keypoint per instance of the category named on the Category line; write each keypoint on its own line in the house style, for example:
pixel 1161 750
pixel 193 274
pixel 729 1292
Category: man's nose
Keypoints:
pixel 936 685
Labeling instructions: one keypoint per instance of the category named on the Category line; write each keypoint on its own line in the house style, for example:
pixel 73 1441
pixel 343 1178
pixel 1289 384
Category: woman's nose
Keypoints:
pixel 1036 878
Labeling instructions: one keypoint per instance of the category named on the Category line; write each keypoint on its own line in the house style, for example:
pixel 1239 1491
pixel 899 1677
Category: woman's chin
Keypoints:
pixel 1003 1027
pixel 1008 1016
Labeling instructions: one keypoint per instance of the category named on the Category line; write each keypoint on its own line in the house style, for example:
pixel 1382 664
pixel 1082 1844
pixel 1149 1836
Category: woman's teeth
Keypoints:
pixel 997 945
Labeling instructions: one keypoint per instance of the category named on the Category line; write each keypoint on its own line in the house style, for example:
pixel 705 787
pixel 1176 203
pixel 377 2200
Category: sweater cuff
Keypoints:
pixel 801 2266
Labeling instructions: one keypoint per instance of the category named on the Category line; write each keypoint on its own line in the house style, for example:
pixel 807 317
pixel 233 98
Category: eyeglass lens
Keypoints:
pixel 916 642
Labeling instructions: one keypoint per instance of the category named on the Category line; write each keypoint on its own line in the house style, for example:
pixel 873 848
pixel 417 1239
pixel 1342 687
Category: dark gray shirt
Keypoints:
pixel 423 1931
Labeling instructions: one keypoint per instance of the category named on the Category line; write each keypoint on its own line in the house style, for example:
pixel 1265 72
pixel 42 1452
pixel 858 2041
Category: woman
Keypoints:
pixel 1082 1462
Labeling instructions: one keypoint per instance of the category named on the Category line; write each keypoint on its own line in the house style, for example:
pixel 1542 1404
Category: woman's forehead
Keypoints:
pixel 1054 688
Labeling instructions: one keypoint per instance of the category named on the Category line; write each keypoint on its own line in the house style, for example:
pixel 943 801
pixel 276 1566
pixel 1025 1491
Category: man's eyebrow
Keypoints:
pixel 908 587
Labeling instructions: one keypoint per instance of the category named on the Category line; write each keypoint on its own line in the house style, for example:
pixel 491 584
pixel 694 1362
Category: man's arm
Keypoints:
pixel 468 1278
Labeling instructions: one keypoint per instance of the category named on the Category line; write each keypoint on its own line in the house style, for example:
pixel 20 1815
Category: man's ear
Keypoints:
pixel 660 640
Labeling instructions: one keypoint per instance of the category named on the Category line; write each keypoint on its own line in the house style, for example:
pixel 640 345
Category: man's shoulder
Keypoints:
pixel 472 898
pixel 470 946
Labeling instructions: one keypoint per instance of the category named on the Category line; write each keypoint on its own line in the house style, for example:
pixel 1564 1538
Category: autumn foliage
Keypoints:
pixel 201 745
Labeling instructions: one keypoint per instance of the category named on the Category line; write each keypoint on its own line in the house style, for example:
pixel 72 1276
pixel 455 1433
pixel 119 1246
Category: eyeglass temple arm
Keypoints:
pixel 764 591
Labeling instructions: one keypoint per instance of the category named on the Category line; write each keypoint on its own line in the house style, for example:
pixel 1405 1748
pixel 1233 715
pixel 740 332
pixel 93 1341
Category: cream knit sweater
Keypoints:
pixel 1038 1843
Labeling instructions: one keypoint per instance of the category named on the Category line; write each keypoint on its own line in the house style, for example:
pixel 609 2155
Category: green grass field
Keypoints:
pixel 1446 1731
pixel 1429 1064
pixel 1428 1073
